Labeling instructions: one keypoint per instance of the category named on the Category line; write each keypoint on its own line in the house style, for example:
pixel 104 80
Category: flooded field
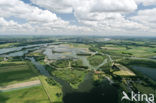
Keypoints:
pixel 56 52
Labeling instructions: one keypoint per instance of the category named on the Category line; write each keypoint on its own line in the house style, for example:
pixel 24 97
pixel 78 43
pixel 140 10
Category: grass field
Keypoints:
pixel 123 71
pixel 61 63
pixel 7 45
pixel 14 72
pixel 52 90
pixel 78 45
pixel 96 60
pixel 74 77
pixel 77 63
pixel 27 95
pixel 137 51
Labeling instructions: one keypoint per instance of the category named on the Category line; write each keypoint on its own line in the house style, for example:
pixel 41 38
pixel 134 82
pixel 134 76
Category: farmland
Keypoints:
pixel 14 72
pixel 27 95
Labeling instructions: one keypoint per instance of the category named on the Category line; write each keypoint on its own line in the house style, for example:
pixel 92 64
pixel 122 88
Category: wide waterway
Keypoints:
pixel 150 72
pixel 86 93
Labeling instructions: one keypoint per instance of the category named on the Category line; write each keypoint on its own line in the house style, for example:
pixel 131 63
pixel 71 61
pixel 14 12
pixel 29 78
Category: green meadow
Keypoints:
pixel 27 95
pixel 135 51
pixel 96 60
pixel 73 77
pixel 14 72
pixel 6 45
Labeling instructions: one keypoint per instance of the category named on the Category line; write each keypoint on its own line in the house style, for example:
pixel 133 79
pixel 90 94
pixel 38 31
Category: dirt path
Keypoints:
pixel 20 85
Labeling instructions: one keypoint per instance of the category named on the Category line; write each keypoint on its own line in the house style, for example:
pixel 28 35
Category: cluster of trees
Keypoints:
pixel 50 81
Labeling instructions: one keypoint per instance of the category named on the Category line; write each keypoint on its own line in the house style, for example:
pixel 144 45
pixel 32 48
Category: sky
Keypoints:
pixel 78 17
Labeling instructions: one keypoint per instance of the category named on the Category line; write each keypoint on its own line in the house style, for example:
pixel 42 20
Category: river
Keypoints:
pixel 150 72
pixel 86 93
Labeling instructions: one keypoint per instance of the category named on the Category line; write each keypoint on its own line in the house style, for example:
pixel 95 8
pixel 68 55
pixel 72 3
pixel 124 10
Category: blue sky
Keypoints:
pixel 78 17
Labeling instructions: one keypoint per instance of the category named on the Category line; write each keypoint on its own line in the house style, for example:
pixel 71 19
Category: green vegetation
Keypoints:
pixel 54 91
pixel 6 45
pixel 128 49
pixel 144 88
pixel 96 60
pixel 74 77
pixel 141 62
pixel 124 51
pixel 77 45
pixel 37 55
pixel 51 87
pixel 61 63
pixel 1 59
pixel 123 71
pixel 77 63
pixel 13 72
pixel 27 95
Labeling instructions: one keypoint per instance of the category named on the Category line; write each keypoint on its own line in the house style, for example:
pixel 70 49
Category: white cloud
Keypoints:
pixel 94 17
pixel 38 21
pixel 146 2
pixel 11 27
pixel 67 6
pixel 19 9
pixel 146 17
pixel 60 6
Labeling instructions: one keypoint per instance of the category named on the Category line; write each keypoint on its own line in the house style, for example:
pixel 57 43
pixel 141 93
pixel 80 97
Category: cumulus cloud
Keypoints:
pixel 92 17
pixel 37 20
pixel 60 6
pixel 147 18
pixel 19 9
pixel 67 6
pixel 146 2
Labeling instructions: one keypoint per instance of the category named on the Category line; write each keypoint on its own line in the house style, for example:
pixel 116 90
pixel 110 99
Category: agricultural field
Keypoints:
pixel 123 71
pixel 78 45
pixel 130 50
pixel 28 95
pixel 6 45
pixel 52 89
pixel 14 72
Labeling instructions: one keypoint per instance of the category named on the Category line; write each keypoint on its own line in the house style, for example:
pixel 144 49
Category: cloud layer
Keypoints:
pixel 99 17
